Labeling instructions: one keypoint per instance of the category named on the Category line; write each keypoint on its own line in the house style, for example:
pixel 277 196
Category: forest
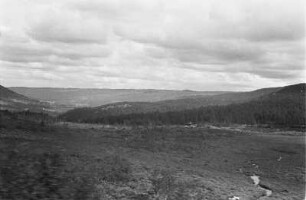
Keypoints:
pixel 276 109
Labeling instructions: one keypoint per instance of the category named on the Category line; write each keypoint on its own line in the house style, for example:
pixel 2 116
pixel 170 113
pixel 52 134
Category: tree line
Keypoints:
pixel 282 110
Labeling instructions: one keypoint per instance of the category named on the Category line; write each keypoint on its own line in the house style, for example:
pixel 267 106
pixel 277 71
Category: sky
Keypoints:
pixel 210 45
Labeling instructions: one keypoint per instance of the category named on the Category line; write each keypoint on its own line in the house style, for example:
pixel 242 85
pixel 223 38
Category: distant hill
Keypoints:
pixel 280 106
pixel 12 101
pixel 124 108
pixel 76 97
pixel 5 93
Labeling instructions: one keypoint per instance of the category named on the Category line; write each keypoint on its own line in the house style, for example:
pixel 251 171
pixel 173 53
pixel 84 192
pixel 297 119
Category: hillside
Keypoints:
pixel 123 108
pixel 10 100
pixel 274 107
pixel 293 89
pixel 5 93
pixel 76 97
pixel 13 101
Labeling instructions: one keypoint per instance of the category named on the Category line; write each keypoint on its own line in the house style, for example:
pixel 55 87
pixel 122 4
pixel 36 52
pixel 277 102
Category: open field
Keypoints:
pixel 81 161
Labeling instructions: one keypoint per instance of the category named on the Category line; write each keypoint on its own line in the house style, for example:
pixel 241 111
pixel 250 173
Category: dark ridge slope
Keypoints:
pixel 276 109
pixel 124 108
pixel 10 100
pixel 9 94
pixel 293 89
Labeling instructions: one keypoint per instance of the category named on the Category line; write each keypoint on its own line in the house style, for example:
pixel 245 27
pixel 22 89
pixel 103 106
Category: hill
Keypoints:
pixel 6 93
pixel 76 97
pixel 12 101
pixel 293 89
pixel 123 108
pixel 267 106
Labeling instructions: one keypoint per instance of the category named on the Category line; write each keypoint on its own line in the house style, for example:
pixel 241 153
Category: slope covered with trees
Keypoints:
pixel 124 108
pixel 285 106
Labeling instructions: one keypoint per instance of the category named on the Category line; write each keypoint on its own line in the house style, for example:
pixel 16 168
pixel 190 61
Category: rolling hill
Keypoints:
pixel 76 97
pixel 5 93
pixel 12 101
pixel 125 108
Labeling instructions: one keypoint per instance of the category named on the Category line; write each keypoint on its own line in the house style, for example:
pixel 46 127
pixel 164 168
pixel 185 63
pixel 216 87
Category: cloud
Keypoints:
pixel 67 27
pixel 26 50
pixel 181 44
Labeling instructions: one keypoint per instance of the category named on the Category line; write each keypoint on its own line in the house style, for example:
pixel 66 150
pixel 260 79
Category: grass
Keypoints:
pixel 53 176
pixel 94 162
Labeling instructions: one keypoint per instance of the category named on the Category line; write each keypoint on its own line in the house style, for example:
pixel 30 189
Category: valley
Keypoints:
pixel 89 97
pixel 245 146
pixel 152 100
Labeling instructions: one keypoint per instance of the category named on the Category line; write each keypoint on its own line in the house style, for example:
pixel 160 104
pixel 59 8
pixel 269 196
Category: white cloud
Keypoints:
pixel 68 27
pixel 173 44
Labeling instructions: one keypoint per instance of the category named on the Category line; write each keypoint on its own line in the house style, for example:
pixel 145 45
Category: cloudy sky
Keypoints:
pixel 162 44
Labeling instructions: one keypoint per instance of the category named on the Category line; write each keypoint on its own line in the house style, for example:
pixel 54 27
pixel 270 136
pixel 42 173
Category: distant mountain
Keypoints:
pixel 75 97
pixel 196 101
pixel 279 106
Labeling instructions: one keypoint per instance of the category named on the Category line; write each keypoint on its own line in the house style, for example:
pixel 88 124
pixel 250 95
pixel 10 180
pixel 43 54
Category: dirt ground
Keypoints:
pixel 174 162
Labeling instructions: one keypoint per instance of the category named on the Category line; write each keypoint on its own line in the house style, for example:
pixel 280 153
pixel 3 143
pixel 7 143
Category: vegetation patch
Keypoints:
pixel 53 176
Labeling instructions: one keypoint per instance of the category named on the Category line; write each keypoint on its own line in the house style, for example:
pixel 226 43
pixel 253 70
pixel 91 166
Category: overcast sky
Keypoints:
pixel 162 44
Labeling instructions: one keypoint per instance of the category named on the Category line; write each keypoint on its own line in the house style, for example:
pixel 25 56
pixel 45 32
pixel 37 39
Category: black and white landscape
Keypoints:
pixel 152 100
pixel 213 145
